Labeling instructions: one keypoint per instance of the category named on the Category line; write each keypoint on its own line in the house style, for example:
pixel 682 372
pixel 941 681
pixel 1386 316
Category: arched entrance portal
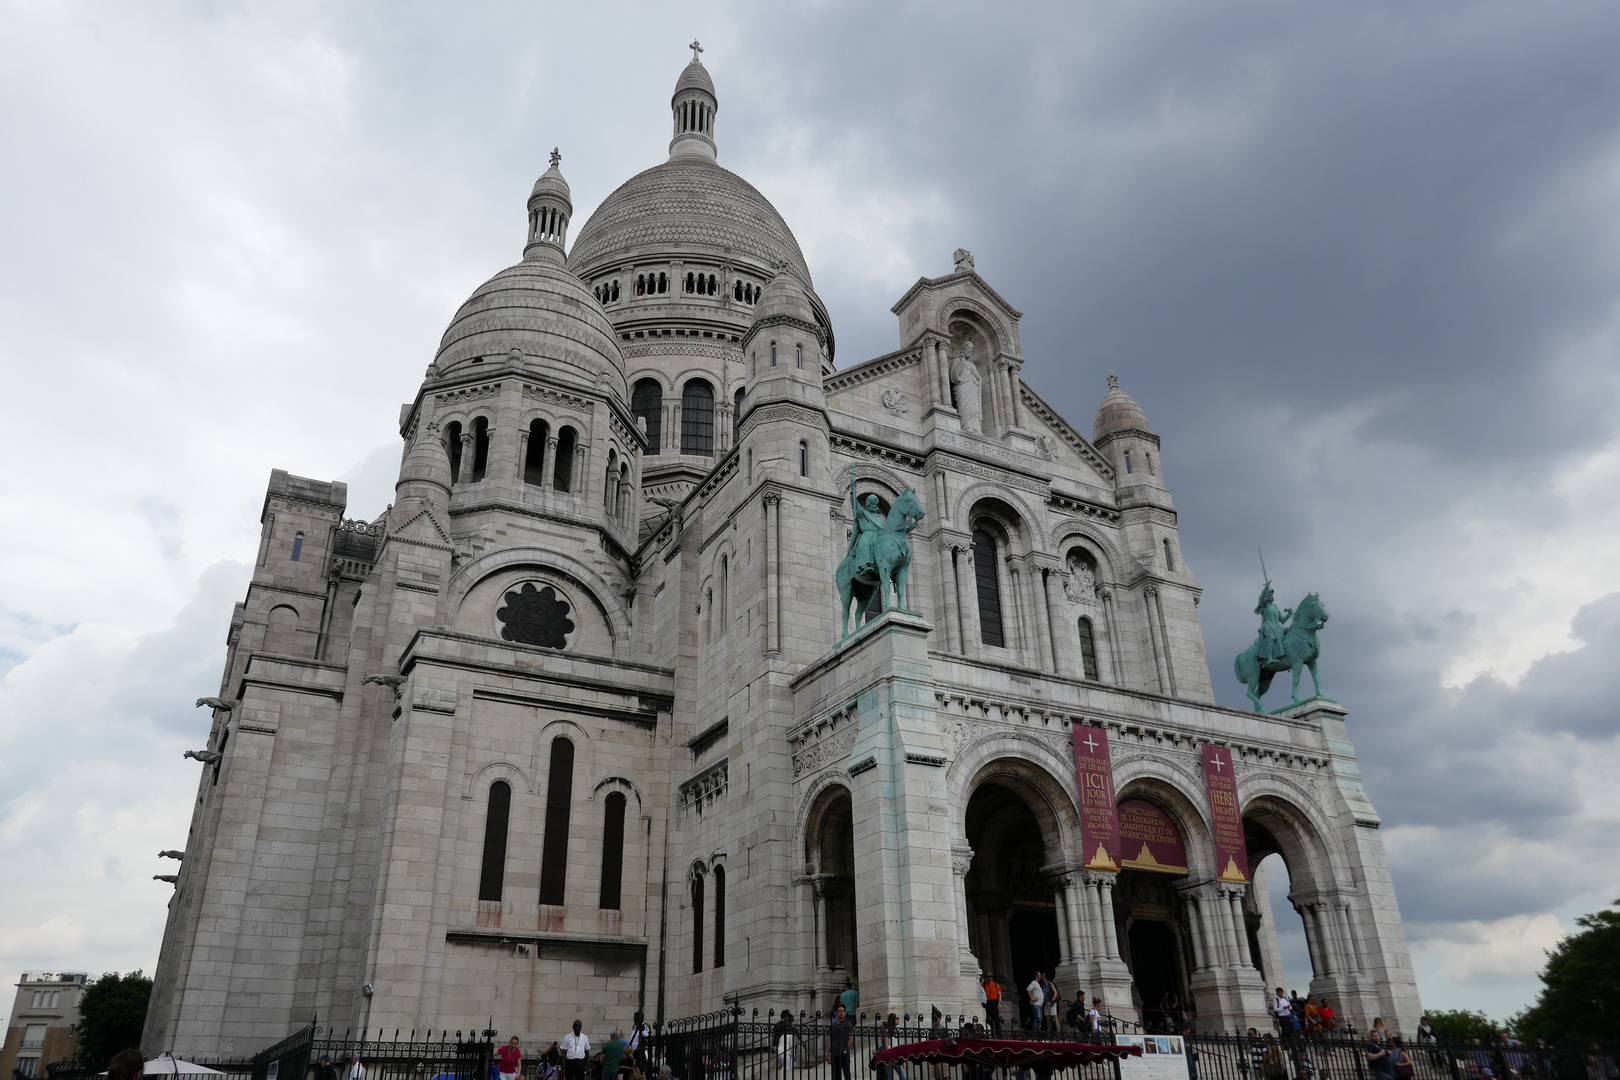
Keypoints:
pixel 1012 906
pixel 1148 910
pixel 830 851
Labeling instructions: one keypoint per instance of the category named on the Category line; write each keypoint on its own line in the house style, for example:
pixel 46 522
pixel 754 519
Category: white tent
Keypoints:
pixel 169 1065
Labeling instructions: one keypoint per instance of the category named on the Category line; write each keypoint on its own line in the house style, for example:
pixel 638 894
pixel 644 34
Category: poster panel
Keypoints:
pixel 1164 1057
pixel 1099 820
pixel 1149 839
pixel 1231 853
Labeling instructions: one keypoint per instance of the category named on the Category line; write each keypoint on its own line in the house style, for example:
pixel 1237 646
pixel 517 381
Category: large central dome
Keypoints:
pixel 689 205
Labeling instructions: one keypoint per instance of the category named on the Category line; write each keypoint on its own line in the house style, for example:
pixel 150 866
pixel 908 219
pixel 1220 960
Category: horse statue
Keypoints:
pixel 879 554
pixel 1282 648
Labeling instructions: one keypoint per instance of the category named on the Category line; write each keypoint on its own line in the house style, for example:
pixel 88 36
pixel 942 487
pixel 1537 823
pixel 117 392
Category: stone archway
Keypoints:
pixel 830 854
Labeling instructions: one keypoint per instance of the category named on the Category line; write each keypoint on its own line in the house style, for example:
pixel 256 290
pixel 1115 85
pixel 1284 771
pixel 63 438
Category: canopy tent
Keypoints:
pixel 169 1065
pixel 1042 1058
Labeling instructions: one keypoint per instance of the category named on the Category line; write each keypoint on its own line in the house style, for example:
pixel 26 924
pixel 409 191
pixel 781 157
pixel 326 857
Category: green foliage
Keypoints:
pixel 1580 994
pixel 112 1012
pixel 1462 1024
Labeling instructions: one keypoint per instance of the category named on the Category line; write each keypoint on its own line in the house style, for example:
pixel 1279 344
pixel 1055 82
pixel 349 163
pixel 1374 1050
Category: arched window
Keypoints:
pixel 749 294
pixel 1169 556
pixel 562 472
pixel 559 798
pixel 697 418
pixel 1149 457
pixel 623 508
pixel 697 921
pixel 298 546
pixel 611 474
pixel 663 282
pixel 612 851
pixel 804 458
pixel 719 916
pixel 690 286
pixel 712 287
pixel 1088 649
pixel 534 458
pixel 615 295
pixel 452 446
pixel 984 573
pixel 725 589
pixel 736 414
pixel 798 356
pixel 773 354
pixel 647 403
pixel 493 876
pixel 736 290
pixel 480 461
pixel 1127 461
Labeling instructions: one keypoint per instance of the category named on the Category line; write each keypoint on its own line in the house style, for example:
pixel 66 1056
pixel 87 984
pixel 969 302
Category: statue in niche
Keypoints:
pixel 1082 583
pixel 965 381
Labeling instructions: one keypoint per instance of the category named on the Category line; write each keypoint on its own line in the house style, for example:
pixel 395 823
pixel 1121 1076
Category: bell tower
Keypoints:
pixel 693 108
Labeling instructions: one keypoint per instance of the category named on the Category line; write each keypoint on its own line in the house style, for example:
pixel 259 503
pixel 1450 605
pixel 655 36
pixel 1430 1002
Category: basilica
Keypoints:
pixel 578 728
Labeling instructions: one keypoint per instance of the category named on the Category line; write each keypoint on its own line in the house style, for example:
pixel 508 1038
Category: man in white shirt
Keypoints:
pixel 1096 1015
pixel 576 1047
pixel 1284 1011
pixel 1037 998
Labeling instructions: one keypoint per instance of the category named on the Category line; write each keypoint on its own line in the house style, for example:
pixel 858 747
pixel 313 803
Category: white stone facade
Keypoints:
pixel 602 610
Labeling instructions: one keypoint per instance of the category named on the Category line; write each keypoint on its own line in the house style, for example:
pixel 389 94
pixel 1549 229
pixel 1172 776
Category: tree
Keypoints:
pixel 1461 1024
pixel 1580 993
pixel 111 1015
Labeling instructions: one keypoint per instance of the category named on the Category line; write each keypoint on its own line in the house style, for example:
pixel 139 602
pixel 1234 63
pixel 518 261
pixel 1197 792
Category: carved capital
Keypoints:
pixel 772 499
pixel 1151 591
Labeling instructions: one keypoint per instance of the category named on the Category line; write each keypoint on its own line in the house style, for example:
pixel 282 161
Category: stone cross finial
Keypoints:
pixel 963 258
pixel 556 157
pixel 1113 381
pixel 696 48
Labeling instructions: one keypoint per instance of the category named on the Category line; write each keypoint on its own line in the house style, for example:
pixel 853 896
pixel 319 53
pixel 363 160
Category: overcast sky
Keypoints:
pixel 1358 262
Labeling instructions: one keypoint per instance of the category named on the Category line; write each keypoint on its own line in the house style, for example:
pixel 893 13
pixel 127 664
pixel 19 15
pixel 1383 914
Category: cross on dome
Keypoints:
pixel 696 48
pixel 556 157
pixel 1113 381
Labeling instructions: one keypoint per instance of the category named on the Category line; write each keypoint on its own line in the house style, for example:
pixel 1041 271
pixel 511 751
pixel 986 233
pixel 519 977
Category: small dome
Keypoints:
pixel 695 77
pixel 784 296
pixel 551 182
pixel 1117 412
pixel 537 307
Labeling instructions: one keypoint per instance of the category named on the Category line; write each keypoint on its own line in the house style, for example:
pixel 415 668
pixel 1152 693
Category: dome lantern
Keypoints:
pixel 550 207
pixel 693 106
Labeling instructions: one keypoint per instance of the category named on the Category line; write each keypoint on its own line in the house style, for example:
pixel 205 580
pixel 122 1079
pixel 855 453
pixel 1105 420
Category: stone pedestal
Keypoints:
pixel 906 908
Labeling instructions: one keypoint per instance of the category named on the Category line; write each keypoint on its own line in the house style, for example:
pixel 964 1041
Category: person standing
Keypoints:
pixel 938 1030
pixel 889 1035
pixel 839 1034
pixel 509 1059
pixel 782 1041
pixel 1052 1001
pixel 641 1037
pixel 1380 1062
pixel 850 999
pixel 576 1047
pixel 1036 992
pixel 357 1071
pixel 612 1053
pixel 1283 1010
pixel 991 989
pixel 324 1069
pixel 551 1062
pixel 1096 1015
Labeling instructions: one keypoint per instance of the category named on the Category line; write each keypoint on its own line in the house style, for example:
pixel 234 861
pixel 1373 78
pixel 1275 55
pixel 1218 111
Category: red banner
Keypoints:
pixel 1231 852
pixel 1099 821
pixel 1149 839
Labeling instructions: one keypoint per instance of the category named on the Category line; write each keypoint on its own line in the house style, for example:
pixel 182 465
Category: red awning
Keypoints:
pixel 1041 1057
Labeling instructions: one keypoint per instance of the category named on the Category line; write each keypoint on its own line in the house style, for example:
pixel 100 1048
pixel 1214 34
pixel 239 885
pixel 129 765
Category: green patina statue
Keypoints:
pixel 879 554
pixel 1282 645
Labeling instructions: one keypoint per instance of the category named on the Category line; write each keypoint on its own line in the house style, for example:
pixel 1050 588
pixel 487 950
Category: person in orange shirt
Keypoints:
pixel 990 994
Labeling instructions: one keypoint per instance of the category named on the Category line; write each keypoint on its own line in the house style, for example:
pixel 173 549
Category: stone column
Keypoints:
pixel 522 453
pixel 1150 598
pixel 961 863
pixel 581 480
pixel 1115 663
pixel 1352 955
pixel 773 551
pixel 1105 891
pixel 930 360
pixel 1065 645
pixel 1041 585
pixel 1014 412
pixel 819 931
pixel 1240 928
pixel 1072 892
pixel 1011 640
pixel 945 554
pixel 1195 930
pixel 1029 650
pixel 549 463
pixel 943 364
pixel 967 599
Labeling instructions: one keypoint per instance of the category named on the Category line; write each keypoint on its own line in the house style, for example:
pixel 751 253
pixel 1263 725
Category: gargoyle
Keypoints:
pixel 207 757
